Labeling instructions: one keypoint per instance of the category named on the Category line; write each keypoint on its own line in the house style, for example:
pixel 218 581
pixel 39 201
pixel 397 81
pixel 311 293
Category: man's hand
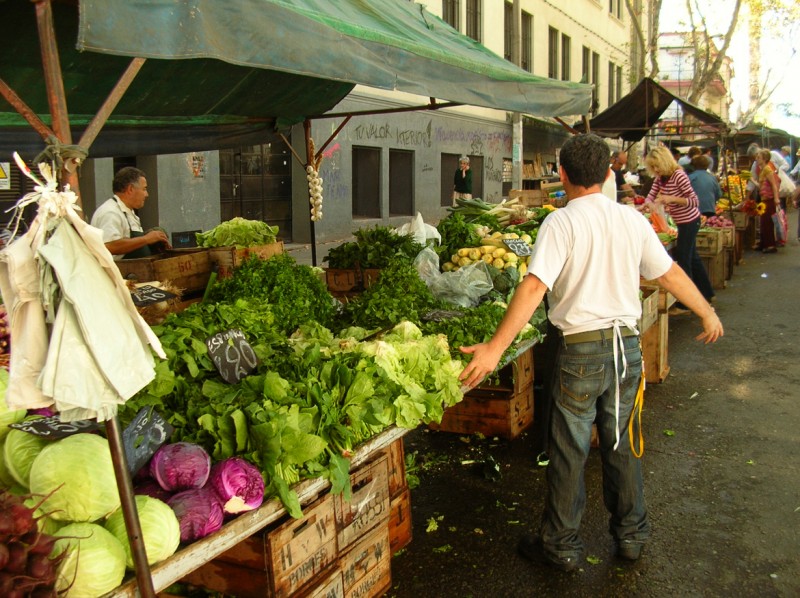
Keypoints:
pixel 158 236
pixel 484 362
pixel 712 328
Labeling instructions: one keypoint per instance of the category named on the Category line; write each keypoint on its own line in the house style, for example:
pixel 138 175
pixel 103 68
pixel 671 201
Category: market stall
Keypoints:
pixel 139 104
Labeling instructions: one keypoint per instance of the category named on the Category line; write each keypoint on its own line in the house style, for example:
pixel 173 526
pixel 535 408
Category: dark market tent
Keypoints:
pixel 222 74
pixel 632 117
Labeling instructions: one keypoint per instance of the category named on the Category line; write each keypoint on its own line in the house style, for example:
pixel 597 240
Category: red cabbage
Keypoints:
pixel 151 488
pixel 199 513
pixel 238 483
pixel 180 466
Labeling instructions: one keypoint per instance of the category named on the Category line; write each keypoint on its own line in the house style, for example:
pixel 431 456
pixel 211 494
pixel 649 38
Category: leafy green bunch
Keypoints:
pixel 295 292
pixel 373 248
pixel 238 232
pixel 456 233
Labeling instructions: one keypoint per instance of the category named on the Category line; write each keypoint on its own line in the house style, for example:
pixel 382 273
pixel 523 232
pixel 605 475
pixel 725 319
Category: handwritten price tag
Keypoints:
pixel 53 427
pixel 148 294
pixel 142 438
pixel 518 246
pixel 232 354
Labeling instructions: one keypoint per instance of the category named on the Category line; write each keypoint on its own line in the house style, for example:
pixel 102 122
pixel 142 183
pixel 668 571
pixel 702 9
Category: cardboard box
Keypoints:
pixel 225 259
pixel 187 269
pixel 368 506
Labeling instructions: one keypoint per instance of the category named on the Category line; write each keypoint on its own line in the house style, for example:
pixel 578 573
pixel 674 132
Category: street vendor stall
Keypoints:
pixel 233 85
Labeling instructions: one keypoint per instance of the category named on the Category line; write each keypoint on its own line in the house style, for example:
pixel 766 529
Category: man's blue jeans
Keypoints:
pixel 584 392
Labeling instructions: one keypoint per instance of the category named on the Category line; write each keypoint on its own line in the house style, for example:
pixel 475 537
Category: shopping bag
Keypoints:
pixel 781 225
pixel 787 185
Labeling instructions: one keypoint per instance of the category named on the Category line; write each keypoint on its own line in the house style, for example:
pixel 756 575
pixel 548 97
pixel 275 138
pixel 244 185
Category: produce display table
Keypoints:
pixel 245 525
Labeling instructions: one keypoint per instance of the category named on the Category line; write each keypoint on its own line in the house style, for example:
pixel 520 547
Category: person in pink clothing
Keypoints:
pixel 673 189
pixel 768 186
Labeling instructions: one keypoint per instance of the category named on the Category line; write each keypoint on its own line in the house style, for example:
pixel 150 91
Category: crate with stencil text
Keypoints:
pixel 282 561
pixel 225 259
pixel 368 505
pixel 709 241
pixel 186 269
pixel 366 566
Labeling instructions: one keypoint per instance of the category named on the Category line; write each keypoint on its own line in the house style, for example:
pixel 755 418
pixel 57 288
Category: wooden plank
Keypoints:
pixel 368 506
pixel 245 525
pixel 225 259
pixel 655 344
pixel 366 567
pixel 396 466
pixel 400 528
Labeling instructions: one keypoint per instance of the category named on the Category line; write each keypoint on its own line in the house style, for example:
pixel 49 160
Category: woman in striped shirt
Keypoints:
pixel 672 189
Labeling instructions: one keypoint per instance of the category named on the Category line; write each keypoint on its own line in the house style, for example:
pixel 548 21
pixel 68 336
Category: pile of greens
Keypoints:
pixel 373 248
pixel 456 233
pixel 295 292
pixel 238 232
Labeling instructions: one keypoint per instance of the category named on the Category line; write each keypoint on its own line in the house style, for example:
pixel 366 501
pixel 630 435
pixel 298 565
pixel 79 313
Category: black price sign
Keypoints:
pixel 142 438
pixel 518 246
pixel 53 427
pixel 148 294
pixel 232 354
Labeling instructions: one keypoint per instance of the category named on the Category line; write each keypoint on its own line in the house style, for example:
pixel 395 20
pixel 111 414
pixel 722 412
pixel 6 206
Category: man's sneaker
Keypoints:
pixel 629 550
pixel 530 546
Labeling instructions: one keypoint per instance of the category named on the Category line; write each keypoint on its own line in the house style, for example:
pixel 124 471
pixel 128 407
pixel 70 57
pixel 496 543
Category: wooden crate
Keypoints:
pixel 342 280
pixel 655 345
pixel 187 269
pixel 728 258
pixel 515 375
pixel 278 562
pixel 329 585
pixel 396 467
pixel 491 412
pixel 225 259
pixel 738 246
pixel 665 298
pixel 715 267
pixel 367 566
pixel 400 528
pixel 533 198
pixel 649 308
pixel 709 242
pixel 368 506
pixel 728 235
pixel 740 220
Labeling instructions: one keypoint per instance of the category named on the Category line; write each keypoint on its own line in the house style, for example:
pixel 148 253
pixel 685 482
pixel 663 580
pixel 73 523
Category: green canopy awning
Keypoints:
pixel 221 74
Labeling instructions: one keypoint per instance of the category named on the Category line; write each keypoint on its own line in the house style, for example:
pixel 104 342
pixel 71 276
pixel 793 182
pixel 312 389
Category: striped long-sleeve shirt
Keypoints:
pixel 678 185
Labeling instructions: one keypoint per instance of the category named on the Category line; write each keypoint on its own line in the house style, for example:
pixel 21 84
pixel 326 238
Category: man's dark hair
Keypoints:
pixel 126 176
pixel 701 162
pixel 585 160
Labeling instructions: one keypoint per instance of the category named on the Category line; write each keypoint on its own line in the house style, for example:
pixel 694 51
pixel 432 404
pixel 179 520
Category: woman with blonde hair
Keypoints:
pixel 768 187
pixel 673 190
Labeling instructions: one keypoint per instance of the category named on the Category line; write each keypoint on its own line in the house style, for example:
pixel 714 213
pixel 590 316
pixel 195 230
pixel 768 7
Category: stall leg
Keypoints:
pixel 129 512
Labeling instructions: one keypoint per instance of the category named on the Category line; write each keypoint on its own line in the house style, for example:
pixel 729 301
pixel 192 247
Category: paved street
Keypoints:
pixel 721 461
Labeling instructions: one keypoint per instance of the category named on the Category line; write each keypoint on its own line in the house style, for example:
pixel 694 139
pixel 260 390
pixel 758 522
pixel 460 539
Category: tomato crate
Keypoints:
pixel 396 467
pixel 400 528
pixel 491 412
pixel 709 242
pixel 278 562
pixel 225 259
pixel 186 269
pixel 367 565
pixel 368 506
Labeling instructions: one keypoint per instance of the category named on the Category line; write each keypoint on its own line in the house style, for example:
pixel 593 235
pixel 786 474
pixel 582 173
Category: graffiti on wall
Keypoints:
pixel 480 143
pixel 335 185
pixel 493 173
pixel 384 131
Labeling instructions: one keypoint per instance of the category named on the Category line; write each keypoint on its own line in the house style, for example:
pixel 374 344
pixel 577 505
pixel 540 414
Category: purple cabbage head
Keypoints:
pixel 199 513
pixel 149 487
pixel 239 485
pixel 180 466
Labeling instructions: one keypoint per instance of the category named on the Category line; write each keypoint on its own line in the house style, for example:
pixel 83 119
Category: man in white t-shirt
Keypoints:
pixel 116 217
pixel 588 257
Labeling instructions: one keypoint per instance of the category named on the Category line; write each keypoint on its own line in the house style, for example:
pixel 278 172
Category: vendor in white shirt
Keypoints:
pixel 116 217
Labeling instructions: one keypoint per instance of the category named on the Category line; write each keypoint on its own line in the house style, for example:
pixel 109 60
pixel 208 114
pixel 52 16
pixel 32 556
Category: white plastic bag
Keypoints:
pixel 462 287
pixel 422 232
pixel 787 184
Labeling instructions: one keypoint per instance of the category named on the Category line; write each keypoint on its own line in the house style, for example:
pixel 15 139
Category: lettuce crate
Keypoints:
pixel 225 259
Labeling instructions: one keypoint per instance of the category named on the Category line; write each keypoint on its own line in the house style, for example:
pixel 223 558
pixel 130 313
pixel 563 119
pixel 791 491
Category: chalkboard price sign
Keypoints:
pixel 518 246
pixel 142 438
pixel 232 354
pixel 53 427
pixel 148 294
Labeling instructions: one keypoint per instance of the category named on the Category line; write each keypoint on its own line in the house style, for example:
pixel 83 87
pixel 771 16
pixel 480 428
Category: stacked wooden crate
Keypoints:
pixel 400 532
pixel 348 282
pixel 225 259
pixel 505 409
pixel 709 246
pixel 655 340
pixel 339 548
pixel 186 269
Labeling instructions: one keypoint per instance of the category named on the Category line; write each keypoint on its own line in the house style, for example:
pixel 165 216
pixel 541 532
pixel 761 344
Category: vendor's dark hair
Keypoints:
pixel 701 162
pixel 126 176
pixel 585 160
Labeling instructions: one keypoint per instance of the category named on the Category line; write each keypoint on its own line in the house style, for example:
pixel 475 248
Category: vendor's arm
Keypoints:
pixel 486 356
pixel 679 284
pixel 123 246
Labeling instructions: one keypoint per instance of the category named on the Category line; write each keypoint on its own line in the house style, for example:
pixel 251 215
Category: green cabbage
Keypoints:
pixel 7 416
pixel 44 523
pixel 78 476
pixel 94 560
pixel 160 529
pixel 20 451
pixel 239 232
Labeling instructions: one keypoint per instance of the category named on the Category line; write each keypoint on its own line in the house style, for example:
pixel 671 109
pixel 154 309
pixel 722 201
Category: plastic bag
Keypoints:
pixel 658 217
pixel 462 287
pixel 781 225
pixel 421 232
pixel 787 185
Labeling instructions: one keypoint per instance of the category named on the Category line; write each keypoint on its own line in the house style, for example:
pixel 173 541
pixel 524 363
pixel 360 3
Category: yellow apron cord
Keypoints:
pixel 636 416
